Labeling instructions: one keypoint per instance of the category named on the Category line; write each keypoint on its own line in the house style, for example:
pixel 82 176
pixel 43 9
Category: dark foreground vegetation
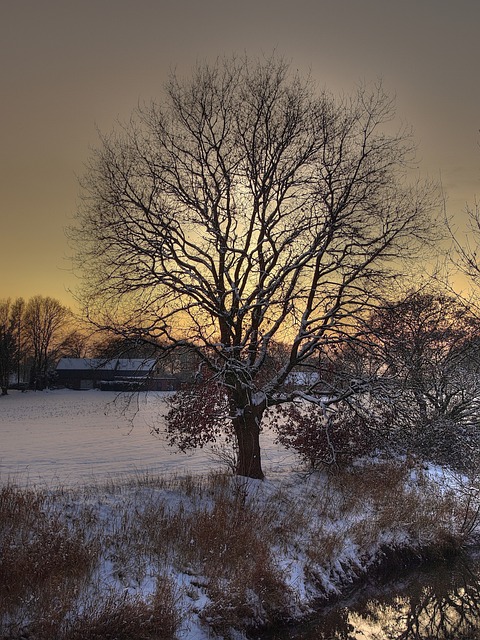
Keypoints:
pixel 168 557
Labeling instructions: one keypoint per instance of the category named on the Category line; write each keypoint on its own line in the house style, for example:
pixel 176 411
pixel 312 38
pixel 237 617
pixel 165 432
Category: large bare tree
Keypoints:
pixel 245 210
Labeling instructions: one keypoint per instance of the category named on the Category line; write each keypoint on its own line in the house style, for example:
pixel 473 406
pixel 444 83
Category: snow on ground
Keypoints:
pixel 67 437
pixel 75 438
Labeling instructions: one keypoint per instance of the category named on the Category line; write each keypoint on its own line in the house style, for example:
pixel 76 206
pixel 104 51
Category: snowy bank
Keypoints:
pixel 220 554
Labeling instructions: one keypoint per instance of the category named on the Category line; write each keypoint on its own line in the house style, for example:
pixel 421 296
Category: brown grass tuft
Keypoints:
pixel 129 617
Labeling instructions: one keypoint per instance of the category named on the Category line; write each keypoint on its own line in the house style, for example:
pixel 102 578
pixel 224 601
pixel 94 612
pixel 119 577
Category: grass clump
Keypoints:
pixel 223 538
pixel 43 557
pixel 129 617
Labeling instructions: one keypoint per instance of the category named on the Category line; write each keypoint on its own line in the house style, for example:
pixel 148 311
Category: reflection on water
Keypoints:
pixel 441 603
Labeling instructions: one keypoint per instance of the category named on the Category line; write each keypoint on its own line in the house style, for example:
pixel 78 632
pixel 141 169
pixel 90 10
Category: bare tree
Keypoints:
pixel 8 345
pixel 248 209
pixel 420 360
pixel 75 344
pixel 466 251
pixel 18 316
pixel 45 321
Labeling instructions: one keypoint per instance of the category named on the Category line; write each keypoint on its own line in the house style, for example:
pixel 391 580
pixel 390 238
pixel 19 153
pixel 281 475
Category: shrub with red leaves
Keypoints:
pixel 323 436
pixel 198 416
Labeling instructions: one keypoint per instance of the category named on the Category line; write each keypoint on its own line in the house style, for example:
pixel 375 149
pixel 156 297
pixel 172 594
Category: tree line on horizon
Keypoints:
pixel 34 334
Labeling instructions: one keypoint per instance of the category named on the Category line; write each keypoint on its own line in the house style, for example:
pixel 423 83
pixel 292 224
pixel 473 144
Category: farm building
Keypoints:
pixel 118 374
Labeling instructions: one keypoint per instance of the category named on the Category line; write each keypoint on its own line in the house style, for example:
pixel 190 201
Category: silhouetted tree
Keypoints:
pixel 466 255
pixel 8 345
pixel 247 209
pixel 114 346
pixel 45 322
pixel 75 344
pixel 17 315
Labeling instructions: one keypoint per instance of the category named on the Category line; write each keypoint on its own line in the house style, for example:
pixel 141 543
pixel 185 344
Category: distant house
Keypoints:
pixel 117 374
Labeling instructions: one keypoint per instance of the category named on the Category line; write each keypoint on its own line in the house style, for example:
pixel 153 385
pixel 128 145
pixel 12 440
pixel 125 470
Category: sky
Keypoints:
pixel 69 68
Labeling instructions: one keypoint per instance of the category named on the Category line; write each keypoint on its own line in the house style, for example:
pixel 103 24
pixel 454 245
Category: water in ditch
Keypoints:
pixel 436 602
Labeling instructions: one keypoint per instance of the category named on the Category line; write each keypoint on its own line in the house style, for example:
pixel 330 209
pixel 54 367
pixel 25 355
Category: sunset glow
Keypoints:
pixel 68 69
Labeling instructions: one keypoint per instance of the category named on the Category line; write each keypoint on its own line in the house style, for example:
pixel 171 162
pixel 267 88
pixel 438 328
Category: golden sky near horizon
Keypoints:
pixel 70 66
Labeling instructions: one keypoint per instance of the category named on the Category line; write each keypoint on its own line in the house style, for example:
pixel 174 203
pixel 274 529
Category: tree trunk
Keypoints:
pixel 247 430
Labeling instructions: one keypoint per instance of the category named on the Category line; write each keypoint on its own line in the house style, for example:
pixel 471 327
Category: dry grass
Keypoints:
pixel 49 581
pixel 128 617
pixel 100 562
pixel 224 539
pixel 42 554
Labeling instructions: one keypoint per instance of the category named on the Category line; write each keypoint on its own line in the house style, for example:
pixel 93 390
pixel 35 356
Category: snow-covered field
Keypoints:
pixel 77 437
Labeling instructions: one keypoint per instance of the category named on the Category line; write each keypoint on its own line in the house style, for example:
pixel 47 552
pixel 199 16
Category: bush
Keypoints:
pixel 321 436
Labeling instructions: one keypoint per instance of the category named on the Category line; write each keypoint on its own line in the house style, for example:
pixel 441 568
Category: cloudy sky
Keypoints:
pixel 69 67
